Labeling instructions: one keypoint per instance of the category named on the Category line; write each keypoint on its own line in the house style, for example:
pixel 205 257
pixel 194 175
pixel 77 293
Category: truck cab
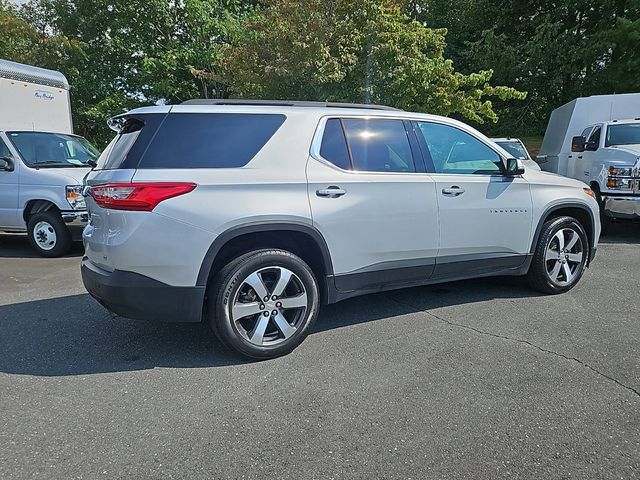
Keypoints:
pixel 606 155
pixel 42 163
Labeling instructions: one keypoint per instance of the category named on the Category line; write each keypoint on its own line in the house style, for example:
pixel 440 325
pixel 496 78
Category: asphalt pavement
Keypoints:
pixel 479 379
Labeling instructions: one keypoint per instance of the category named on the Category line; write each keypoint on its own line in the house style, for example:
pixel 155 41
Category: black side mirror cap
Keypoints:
pixel 578 144
pixel 6 164
pixel 514 167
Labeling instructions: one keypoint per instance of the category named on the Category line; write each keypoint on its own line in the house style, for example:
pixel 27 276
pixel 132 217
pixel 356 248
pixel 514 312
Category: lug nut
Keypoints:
pixel 266 314
pixel 278 304
pixel 274 297
pixel 261 307
pixel 275 312
pixel 266 299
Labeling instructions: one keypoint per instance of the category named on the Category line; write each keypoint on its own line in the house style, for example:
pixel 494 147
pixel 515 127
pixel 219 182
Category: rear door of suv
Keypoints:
pixel 373 201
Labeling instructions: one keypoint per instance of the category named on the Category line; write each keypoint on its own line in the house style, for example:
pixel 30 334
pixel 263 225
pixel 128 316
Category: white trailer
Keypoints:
pixel 597 140
pixel 33 98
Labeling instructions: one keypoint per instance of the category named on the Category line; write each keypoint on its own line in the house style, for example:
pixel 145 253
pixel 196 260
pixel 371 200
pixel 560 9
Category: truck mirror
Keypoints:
pixel 578 144
pixel 514 167
pixel 6 164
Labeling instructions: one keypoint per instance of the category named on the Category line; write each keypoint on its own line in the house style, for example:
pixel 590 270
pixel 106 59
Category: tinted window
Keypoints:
pixel 334 145
pixel 455 151
pixel 595 136
pixel 214 140
pixel 4 150
pixel 378 145
pixel 126 149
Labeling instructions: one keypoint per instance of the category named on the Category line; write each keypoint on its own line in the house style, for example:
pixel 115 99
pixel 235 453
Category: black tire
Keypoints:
pixel 539 276
pixel 605 220
pixel 230 286
pixel 62 242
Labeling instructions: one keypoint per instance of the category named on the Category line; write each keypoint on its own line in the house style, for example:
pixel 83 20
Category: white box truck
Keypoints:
pixel 42 164
pixel 597 140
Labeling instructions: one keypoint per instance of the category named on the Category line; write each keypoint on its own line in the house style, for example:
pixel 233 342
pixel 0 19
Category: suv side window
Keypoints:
pixel 378 145
pixel 209 140
pixel 452 150
pixel 334 145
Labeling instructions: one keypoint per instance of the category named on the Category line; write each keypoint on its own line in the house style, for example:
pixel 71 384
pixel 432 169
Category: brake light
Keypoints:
pixel 142 197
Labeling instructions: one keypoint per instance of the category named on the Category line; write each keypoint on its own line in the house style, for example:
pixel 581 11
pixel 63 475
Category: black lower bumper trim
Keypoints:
pixel 135 296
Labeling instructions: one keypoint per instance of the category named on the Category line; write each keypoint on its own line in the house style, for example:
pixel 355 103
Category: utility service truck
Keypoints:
pixel 597 140
pixel 42 164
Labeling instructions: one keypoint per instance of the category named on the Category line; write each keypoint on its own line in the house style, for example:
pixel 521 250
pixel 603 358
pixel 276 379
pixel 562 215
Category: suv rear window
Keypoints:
pixel 211 140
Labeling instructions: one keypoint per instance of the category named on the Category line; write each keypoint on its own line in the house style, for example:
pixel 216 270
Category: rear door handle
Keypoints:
pixel 331 192
pixel 453 191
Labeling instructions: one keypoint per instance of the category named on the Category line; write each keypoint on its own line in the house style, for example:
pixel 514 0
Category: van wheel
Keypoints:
pixel 264 303
pixel 560 257
pixel 48 234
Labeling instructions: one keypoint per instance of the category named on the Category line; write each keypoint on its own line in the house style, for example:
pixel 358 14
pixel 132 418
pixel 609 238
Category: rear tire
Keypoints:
pixel 560 256
pixel 245 315
pixel 48 234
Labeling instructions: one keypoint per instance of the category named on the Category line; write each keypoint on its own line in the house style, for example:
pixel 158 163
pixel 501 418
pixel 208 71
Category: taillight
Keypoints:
pixel 137 196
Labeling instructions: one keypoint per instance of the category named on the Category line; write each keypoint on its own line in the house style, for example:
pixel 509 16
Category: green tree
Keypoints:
pixel 354 50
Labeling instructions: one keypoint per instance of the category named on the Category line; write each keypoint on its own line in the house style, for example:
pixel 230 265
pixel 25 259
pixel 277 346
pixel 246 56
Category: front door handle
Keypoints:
pixel 453 191
pixel 331 192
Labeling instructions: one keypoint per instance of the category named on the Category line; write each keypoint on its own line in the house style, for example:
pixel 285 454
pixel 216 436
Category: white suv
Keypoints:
pixel 250 215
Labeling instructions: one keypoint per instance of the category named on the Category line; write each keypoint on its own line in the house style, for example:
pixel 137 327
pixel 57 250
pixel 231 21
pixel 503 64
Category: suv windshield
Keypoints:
pixel 623 134
pixel 515 149
pixel 53 150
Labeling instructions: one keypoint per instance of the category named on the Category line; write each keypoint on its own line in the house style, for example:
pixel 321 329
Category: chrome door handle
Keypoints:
pixel 453 191
pixel 331 192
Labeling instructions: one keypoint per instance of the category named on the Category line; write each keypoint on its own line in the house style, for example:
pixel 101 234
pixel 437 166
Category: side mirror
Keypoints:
pixel 514 167
pixel 6 164
pixel 578 144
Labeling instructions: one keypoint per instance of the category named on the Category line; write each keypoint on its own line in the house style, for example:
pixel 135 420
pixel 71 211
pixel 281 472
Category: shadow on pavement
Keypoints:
pixel 16 245
pixel 74 335
pixel 622 232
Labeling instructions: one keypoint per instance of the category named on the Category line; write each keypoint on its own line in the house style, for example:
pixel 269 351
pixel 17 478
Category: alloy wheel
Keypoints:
pixel 270 306
pixel 564 256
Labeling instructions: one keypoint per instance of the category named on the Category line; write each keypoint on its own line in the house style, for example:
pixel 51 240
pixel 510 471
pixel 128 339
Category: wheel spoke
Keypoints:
pixel 560 237
pixel 572 240
pixel 556 270
pixel 283 281
pixel 567 272
pixel 257 334
pixel 294 302
pixel 551 255
pixel 241 310
pixel 575 257
pixel 255 281
pixel 282 324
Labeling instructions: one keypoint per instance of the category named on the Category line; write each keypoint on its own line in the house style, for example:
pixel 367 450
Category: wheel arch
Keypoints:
pixel 301 239
pixel 579 211
pixel 37 206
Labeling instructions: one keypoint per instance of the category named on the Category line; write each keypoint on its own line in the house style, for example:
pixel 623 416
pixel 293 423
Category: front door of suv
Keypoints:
pixel 373 202
pixel 485 216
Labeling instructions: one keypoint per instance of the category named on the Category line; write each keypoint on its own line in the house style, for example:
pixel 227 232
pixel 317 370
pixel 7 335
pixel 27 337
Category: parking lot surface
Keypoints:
pixel 479 379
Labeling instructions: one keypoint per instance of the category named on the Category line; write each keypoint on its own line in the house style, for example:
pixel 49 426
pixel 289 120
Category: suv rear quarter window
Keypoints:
pixel 209 140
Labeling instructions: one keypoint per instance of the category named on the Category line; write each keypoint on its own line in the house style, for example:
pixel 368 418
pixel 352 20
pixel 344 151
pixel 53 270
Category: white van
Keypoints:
pixel 42 164
pixel 597 140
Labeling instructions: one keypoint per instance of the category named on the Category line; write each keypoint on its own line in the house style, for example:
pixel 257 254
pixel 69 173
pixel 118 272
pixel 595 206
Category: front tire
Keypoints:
pixel 264 303
pixel 48 234
pixel 560 256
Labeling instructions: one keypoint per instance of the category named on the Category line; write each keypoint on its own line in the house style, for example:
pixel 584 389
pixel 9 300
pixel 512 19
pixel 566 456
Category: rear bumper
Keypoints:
pixel 622 207
pixel 135 296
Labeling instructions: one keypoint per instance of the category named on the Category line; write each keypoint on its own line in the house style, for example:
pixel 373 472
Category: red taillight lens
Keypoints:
pixel 142 197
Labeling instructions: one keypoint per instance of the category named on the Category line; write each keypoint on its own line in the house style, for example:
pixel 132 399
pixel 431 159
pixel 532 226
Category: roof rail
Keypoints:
pixel 284 103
